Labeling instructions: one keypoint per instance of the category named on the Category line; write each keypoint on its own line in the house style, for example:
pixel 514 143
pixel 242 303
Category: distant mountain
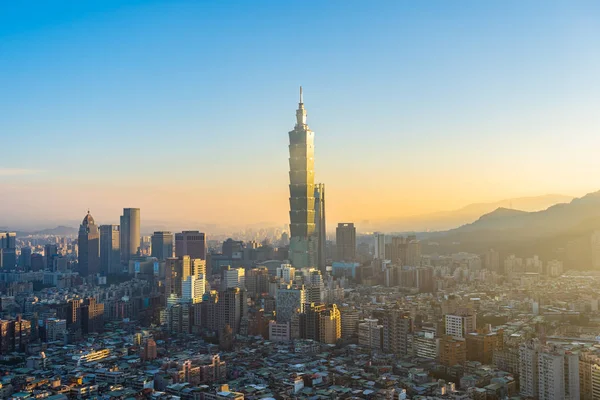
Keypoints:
pixel 561 231
pixel 450 219
pixel 58 231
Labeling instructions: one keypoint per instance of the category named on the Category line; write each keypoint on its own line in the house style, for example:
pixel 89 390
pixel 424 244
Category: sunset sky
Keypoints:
pixel 182 108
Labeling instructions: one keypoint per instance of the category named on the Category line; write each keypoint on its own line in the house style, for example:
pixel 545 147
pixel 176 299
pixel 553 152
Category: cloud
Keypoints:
pixel 17 171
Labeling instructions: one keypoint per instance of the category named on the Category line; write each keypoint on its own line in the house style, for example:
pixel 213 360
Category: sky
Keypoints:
pixel 182 108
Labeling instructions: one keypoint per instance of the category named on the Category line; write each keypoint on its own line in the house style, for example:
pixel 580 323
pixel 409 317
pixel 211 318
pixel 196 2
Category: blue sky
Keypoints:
pixel 429 104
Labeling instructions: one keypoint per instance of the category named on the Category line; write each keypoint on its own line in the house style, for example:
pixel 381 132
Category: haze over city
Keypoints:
pixel 182 108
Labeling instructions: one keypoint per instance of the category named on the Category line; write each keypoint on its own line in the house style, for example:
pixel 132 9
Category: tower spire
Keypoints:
pixel 301 100
pixel 301 112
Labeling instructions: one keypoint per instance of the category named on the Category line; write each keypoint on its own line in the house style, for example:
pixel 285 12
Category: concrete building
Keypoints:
pixel 289 300
pixel 286 273
pixel 528 368
pixel 177 270
pixel 397 326
pixel 330 325
pixel 162 245
pixel 379 246
pixel 303 235
pixel 345 241
pixel 558 375
pixel 56 329
pixel 8 250
pixel 234 278
pixel 193 289
pixel 452 351
pixel 190 243
pixel 320 227
pixel 425 345
pixel 370 333
pixel 460 325
pixel 89 247
pixel 130 234
pixel 482 344
pixel 110 252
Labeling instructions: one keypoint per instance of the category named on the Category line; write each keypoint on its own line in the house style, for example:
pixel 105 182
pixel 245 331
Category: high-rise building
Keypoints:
pixel 286 273
pixel 370 333
pixel 257 281
pixel 25 258
pixel 162 245
pixel 50 251
pixel 589 376
pixel 452 351
pixel 379 252
pixel 89 247
pixel 193 288
pixel 482 344
pixel 14 335
pixel 349 322
pixel 330 325
pixel 92 316
pixel 110 253
pixel 149 350
pixel 232 307
pixel 177 270
pixel 56 329
pixel 460 325
pixel 345 241
pixel 528 368
pixel 303 241
pixel 8 250
pixel 397 327
pixel 190 243
pixel 558 374
pixel 130 234
pixel 289 300
pixel 491 261
pixel 234 278
pixel 320 227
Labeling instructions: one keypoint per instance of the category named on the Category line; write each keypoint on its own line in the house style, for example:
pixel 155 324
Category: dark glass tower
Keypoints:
pixel 89 247
pixel 302 192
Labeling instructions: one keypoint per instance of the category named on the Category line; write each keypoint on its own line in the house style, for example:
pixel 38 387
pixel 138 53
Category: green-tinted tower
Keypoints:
pixel 303 240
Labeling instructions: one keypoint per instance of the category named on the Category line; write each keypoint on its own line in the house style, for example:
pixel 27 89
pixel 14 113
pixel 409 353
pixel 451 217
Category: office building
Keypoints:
pixel 425 345
pixel 345 241
pixel 286 274
pixel 349 322
pixel 8 250
pixel 491 261
pixel 460 325
pixel 25 258
pixel 50 251
pixel 231 308
pixel 162 245
pixel 320 227
pixel 110 252
pixel 257 281
pixel 193 289
pixel 397 327
pixel 303 240
pixel 289 300
pixel 177 270
pixel 130 234
pixel 379 248
pixel 190 243
pixel 330 325
pixel 89 247
pixel 234 278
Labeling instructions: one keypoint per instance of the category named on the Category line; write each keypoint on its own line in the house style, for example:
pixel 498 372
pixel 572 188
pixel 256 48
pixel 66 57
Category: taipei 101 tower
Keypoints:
pixel 303 235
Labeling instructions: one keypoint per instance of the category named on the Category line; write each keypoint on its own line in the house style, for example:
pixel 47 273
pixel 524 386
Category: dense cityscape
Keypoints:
pixel 110 313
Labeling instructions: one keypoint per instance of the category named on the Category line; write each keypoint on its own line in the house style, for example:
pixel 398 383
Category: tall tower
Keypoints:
pixel 130 233
pixel 110 254
pixel 302 192
pixel 89 247
pixel 321 230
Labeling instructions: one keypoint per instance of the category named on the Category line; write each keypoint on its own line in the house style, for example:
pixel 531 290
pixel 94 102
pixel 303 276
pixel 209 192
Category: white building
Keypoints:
pixel 193 288
pixel 460 325
pixel 286 273
pixel 56 329
pixel 279 332
pixel 528 368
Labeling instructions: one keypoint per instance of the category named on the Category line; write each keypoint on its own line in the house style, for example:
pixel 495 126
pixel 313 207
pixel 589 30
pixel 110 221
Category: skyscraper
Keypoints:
pixel 320 227
pixel 177 270
pixel 379 252
pixel 89 247
pixel 110 253
pixel 50 250
pixel 8 250
pixel 190 243
pixel 345 241
pixel 302 191
pixel 162 245
pixel 130 234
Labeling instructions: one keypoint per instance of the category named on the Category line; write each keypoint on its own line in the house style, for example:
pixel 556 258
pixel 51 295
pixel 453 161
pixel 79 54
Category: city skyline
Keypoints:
pixel 465 116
